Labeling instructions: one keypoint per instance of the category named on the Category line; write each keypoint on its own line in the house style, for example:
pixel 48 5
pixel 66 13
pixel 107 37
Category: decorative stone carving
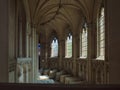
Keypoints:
pixel 23 69
pixel 18 71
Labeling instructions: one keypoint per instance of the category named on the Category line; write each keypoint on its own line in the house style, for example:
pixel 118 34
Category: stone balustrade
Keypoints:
pixel 24 70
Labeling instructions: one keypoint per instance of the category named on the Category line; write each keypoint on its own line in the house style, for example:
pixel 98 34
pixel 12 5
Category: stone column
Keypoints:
pixel 36 55
pixel 37 62
pixel 27 39
pixel 20 37
pixel 31 56
pixel 34 60
pixel 89 30
pixel 30 42
pixel 4 41
pixel 90 49
pixel 74 53
pixel 60 50
pixel 63 53
pixel 33 53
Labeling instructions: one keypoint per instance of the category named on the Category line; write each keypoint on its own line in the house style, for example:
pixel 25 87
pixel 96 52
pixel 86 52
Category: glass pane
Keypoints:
pixel 83 47
pixel 54 48
pixel 69 46
pixel 101 34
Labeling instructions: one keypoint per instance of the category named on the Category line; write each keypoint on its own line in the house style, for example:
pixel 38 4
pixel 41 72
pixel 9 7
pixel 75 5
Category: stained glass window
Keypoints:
pixel 83 42
pixel 54 48
pixel 101 35
pixel 68 50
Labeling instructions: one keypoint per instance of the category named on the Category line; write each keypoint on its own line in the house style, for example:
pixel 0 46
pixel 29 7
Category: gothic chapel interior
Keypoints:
pixel 60 41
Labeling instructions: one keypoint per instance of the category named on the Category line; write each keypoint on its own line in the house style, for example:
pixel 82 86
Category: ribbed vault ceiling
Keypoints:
pixel 58 14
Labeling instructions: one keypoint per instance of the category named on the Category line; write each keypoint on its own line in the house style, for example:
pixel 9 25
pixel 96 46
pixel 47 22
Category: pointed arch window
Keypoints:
pixel 68 46
pixel 54 48
pixel 101 35
pixel 84 42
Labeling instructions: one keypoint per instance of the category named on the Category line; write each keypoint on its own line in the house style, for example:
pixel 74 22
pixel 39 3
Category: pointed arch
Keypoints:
pixel 53 44
pixel 68 43
pixel 84 41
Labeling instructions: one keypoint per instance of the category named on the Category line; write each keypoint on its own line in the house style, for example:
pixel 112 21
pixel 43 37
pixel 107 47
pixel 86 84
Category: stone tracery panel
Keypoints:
pixel 24 67
pixel 99 72
pixel 82 69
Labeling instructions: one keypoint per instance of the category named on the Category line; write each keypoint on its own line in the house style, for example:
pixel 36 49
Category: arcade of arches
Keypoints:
pixel 59 41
